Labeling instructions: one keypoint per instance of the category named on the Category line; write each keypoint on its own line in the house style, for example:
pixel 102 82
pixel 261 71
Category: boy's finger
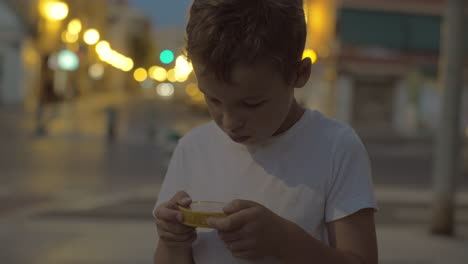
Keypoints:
pixel 234 221
pixel 156 210
pixel 169 215
pixel 238 205
pixel 181 198
pixel 240 245
pixel 230 236
pixel 168 205
pixel 229 223
pixel 174 227
pixel 168 236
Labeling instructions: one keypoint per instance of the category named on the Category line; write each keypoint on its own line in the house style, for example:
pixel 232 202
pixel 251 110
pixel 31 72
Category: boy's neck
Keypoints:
pixel 294 115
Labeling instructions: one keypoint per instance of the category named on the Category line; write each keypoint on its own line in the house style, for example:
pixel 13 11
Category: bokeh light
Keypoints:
pixel 54 10
pixel 128 65
pixel 180 76
pixel 310 53
pixel 140 74
pixel 171 76
pixel 182 69
pixel 165 89
pixel 74 27
pixel 68 60
pixel 112 57
pixel 158 73
pixel 96 71
pixel 69 37
pixel 103 46
pixel 91 36
pixel 166 56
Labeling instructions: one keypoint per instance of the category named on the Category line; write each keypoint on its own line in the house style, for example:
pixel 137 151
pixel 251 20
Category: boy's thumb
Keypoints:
pixel 238 205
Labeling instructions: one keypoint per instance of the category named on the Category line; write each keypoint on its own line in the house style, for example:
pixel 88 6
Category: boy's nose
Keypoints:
pixel 232 123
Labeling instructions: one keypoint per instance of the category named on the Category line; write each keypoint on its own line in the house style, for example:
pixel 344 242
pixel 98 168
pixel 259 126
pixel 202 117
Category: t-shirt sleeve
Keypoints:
pixel 350 188
pixel 174 179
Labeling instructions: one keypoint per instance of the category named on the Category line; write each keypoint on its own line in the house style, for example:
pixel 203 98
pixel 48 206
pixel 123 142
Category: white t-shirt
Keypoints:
pixel 316 172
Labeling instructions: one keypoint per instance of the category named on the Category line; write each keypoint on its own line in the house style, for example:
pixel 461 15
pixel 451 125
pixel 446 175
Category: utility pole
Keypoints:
pixel 448 140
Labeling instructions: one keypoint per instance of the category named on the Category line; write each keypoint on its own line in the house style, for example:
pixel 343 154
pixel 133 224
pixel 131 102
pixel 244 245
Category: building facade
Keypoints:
pixel 388 64
pixel 32 39
pixel 12 35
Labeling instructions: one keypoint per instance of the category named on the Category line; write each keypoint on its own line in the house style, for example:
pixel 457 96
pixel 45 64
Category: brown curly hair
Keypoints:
pixel 222 33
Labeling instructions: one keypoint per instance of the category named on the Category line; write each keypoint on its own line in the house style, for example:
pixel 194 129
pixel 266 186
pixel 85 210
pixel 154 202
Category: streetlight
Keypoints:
pixel 140 74
pixel 68 60
pixel 310 53
pixel 171 76
pixel 69 37
pixel 74 27
pixel 165 89
pixel 128 65
pixel 96 71
pixel 54 10
pixel 91 36
pixel 158 73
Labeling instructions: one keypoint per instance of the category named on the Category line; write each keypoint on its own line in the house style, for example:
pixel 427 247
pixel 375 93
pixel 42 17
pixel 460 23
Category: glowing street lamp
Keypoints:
pixel 171 75
pixel 91 36
pixel 69 37
pixel 140 74
pixel 128 65
pixel 310 53
pixel 158 73
pixel 102 46
pixel 54 10
pixel 321 23
pixel 165 89
pixel 68 60
pixel 96 71
pixel 74 27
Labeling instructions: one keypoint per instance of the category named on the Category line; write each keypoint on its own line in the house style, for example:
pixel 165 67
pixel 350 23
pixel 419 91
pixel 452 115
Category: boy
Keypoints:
pixel 298 184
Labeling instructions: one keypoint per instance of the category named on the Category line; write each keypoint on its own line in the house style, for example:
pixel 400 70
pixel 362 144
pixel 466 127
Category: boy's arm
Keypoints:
pixel 352 240
pixel 167 255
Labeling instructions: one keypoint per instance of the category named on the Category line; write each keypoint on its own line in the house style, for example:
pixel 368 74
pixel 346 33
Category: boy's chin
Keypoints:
pixel 240 140
pixel 252 141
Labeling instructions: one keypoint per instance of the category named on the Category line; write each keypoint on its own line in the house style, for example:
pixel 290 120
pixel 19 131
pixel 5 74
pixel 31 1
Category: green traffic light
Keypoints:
pixel 166 57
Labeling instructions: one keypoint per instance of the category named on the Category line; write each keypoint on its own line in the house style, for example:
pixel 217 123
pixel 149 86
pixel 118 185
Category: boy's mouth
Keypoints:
pixel 239 139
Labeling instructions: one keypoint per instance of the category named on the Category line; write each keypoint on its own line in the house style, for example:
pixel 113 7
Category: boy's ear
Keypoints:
pixel 303 73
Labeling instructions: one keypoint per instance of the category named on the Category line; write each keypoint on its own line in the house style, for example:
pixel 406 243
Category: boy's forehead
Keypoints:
pixel 250 78
pixel 245 83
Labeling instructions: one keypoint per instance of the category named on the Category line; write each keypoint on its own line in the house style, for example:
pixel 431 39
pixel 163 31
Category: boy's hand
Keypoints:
pixel 251 230
pixel 169 222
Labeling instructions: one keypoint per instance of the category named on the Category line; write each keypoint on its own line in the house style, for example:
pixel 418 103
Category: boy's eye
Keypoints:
pixel 254 104
pixel 214 100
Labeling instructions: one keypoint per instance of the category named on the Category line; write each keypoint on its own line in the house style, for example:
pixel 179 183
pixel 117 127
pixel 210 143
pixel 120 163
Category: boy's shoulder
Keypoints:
pixel 326 128
pixel 199 135
pixel 327 134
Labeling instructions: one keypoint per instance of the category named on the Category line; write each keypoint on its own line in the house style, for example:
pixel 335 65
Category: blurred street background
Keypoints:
pixel 95 94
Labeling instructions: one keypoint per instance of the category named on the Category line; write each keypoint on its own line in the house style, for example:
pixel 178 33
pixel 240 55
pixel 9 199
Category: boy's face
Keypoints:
pixel 254 106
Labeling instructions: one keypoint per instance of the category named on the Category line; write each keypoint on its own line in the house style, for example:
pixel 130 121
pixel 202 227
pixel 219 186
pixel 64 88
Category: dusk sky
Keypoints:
pixel 164 13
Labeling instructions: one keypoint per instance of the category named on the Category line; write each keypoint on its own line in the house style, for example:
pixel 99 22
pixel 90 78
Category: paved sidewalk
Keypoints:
pixel 403 228
pixel 119 229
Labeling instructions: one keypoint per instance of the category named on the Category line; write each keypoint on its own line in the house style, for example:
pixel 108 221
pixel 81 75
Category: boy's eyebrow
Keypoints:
pixel 254 97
